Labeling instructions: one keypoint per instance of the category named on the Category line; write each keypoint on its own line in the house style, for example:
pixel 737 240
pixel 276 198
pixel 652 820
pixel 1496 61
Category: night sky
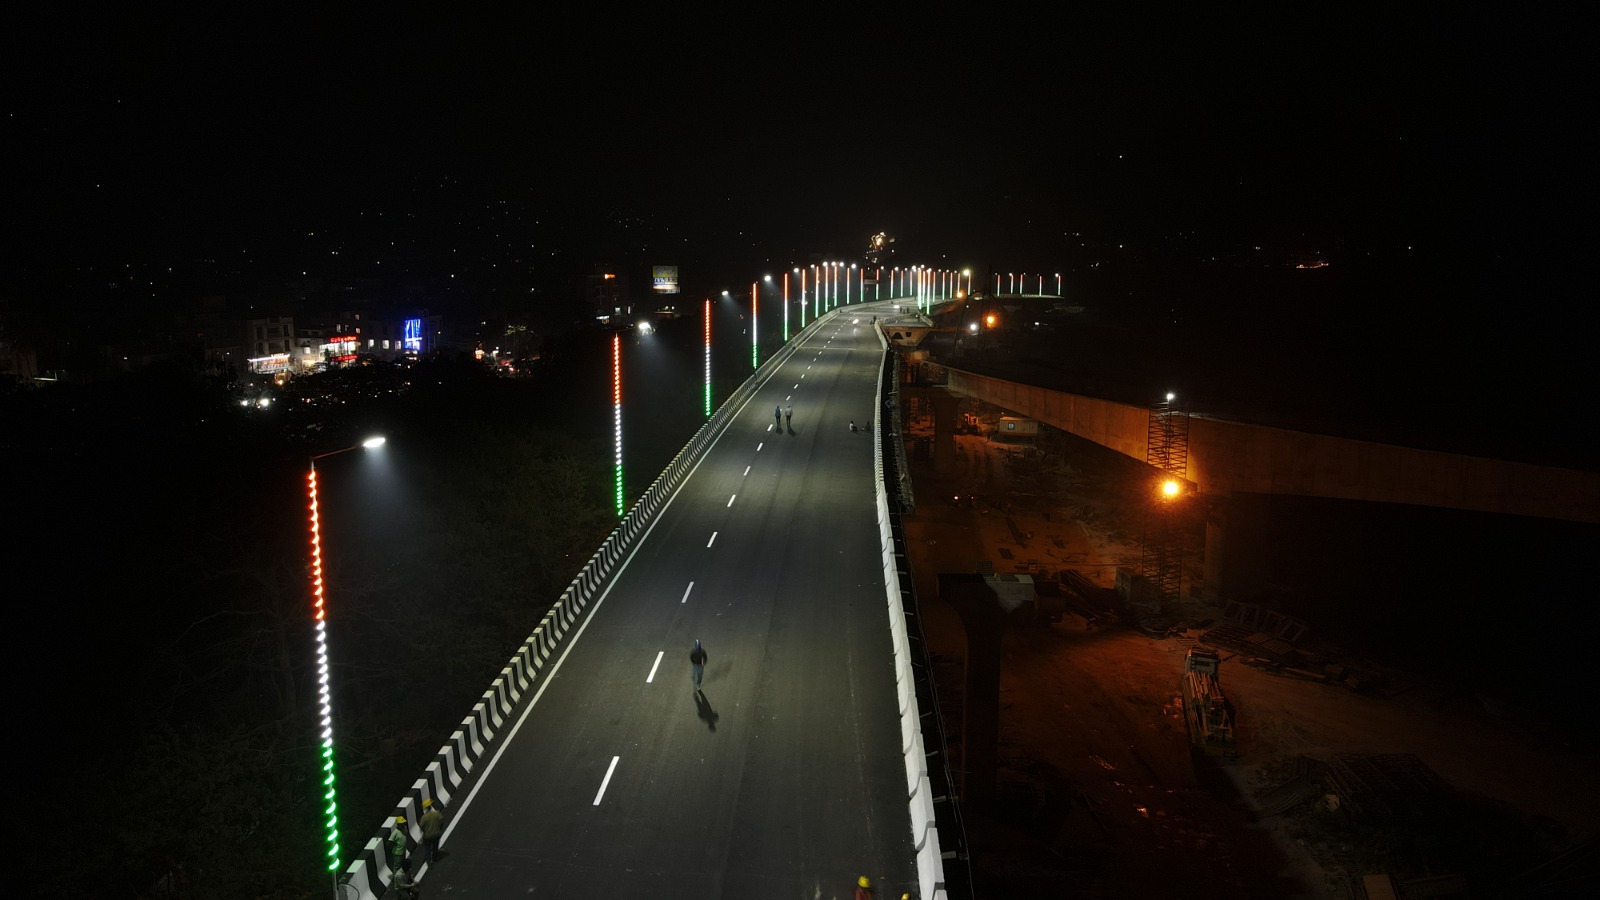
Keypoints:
pixel 1429 153
pixel 1434 127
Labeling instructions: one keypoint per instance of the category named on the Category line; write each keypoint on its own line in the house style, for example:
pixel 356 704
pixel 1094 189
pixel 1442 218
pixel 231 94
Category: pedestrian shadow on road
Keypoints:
pixel 704 710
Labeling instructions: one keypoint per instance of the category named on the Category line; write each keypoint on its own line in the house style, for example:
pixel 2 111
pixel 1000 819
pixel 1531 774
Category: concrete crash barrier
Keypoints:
pixel 920 801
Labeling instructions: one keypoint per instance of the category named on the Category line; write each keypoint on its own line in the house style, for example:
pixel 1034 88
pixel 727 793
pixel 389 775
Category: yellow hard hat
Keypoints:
pixel 427 804
pixel 399 820
pixel 864 881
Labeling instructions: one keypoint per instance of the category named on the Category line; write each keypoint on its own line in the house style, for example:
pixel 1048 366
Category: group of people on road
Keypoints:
pixel 432 825
pixel 783 417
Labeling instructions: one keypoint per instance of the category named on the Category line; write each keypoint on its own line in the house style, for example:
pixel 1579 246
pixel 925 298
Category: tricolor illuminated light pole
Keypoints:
pixel 785 307
pixel 708 355
pixel 802 273
pixel 968 273
pixel 755 352
pixel 1058 284
pixel 816 292
pixel 319 614
pixel 616 412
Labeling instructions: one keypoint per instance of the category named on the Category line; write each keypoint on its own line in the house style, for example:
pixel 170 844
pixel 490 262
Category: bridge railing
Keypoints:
pixel 937 832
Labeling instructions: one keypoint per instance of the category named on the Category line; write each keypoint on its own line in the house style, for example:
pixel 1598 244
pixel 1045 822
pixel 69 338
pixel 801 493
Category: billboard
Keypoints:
pixel 413 338
pixel 663 279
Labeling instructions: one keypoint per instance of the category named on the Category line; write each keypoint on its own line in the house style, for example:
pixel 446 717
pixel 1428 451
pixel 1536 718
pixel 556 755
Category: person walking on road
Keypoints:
pixel 777 413
pixel 788 415
pixel 432 823
pixel 697 664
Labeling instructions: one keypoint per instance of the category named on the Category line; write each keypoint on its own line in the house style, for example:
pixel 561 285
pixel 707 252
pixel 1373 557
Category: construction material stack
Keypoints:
pixel 1206 709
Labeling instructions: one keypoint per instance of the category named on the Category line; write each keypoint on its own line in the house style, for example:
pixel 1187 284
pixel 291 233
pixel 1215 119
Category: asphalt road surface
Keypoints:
pixel 783 777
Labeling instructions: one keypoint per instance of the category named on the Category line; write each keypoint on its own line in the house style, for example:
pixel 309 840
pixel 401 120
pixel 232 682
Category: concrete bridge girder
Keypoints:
pixel 1227 457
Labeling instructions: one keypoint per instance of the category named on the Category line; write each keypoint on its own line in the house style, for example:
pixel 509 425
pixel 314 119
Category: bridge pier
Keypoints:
pixel 1238 547
pixel 944 431
pixel 983 603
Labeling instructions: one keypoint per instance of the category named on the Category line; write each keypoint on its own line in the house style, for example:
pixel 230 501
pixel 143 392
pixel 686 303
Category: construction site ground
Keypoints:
pixel 1099 794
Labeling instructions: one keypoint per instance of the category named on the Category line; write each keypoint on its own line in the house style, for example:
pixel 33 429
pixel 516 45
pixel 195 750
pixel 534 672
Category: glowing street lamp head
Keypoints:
pixel 375 441
pixel 1170 488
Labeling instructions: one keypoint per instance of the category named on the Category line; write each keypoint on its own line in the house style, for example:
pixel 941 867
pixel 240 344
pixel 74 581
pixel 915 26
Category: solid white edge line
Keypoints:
pixel 607 780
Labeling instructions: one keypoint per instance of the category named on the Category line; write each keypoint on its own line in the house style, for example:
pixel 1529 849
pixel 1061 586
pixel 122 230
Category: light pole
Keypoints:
pixel 708 355
pixel 616 414
pixel 802 274
pixel 319 614
pixel 785 307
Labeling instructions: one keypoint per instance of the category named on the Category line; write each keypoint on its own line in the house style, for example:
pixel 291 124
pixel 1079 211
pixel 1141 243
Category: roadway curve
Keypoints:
pixel 785 777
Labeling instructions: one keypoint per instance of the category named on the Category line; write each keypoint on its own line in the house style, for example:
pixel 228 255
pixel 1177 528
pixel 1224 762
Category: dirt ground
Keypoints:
pixel 1099 794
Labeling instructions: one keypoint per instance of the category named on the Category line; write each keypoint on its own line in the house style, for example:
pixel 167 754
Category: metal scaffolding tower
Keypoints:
pixel 1167 449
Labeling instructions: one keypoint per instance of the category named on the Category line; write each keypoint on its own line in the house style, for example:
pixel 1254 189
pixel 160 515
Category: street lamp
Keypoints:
pixel 319 607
